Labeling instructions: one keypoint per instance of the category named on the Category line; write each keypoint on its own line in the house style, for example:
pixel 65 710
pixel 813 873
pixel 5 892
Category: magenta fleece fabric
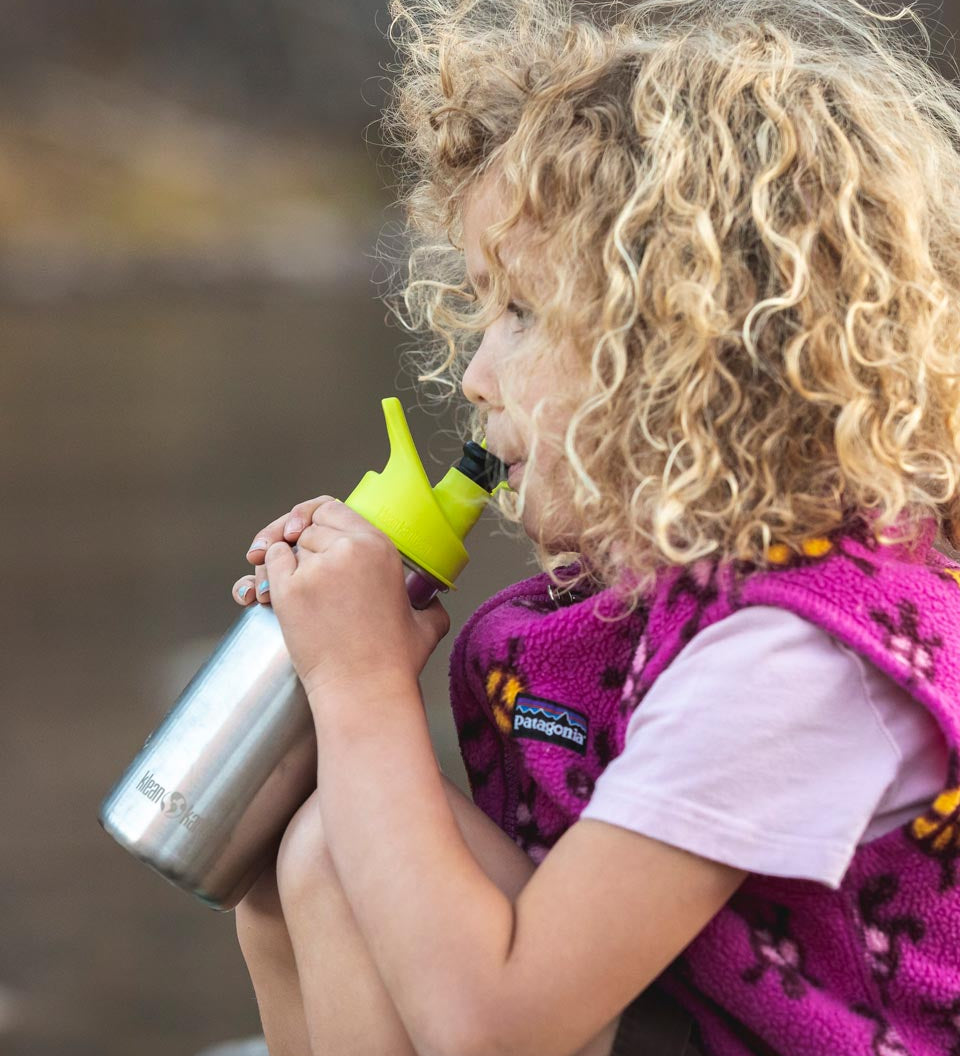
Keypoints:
pixel 542 688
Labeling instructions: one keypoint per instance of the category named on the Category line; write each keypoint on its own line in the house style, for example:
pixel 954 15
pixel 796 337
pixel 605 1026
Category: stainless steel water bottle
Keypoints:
pixel 207 799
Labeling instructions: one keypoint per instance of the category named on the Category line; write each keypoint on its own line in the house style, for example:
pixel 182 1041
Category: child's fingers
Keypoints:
pixel 265 538
pixel 262 582
pixel 244 590
pixel 302 514
pixel 281 563
pixel 284 529
pixel 435 617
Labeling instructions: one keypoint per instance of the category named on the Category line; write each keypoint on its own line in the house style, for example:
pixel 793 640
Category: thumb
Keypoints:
pixel 280 563
pixel 435 618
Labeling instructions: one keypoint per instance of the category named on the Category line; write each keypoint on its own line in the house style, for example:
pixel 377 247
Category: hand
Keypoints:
pixel 249 589
pixel 343 606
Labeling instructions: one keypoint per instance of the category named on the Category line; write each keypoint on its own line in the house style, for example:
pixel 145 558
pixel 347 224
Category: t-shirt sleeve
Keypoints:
pixel 758 747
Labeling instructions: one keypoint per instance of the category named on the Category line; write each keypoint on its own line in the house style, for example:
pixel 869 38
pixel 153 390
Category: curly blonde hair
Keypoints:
pixel 747 218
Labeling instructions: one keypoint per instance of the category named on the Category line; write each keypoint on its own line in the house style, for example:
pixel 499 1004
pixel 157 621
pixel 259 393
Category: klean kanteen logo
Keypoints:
pixel 543 720
pixel 172 804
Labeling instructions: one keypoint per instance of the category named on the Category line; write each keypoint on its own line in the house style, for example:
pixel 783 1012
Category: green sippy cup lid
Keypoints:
pixel 427 525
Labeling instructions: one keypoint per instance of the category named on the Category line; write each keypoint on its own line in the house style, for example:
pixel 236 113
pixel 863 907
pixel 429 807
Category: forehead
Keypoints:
pixel 483 207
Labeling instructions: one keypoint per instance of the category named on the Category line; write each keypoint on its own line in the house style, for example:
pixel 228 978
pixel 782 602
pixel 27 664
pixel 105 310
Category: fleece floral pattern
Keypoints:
pixel 543 687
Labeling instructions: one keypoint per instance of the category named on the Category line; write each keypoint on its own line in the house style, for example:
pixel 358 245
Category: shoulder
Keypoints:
pixel 766 624
pixel 764 683
pixel 795 662
pixel 765 644
pixel 757 746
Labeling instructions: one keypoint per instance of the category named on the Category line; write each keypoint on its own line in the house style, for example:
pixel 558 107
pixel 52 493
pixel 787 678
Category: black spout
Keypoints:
pixel 480 466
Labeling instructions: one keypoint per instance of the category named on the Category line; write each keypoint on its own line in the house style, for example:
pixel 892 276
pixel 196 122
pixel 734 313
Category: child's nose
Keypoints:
pixel 479 381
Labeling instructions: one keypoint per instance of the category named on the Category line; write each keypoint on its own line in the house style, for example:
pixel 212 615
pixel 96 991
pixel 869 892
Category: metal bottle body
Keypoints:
pixel 206 800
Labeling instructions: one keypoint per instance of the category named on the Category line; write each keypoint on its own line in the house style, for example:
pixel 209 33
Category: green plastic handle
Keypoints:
pixel 427 525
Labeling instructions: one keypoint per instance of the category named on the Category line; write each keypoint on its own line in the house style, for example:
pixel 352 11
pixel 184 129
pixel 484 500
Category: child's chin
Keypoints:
pixel 552 540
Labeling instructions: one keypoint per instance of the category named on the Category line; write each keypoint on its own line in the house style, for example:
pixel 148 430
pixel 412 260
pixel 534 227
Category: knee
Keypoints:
pixel 261 927
pixel 303 861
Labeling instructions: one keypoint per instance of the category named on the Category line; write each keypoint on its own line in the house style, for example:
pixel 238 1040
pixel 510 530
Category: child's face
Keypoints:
pixel 509 434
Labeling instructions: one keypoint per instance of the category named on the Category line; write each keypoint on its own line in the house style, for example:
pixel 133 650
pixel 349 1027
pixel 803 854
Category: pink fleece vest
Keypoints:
pixel 542 690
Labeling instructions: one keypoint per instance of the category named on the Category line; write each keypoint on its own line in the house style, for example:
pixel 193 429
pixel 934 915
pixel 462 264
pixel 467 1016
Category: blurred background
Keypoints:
pixel 191 194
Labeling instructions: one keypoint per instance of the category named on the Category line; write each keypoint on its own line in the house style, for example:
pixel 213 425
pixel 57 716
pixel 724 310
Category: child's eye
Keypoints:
pixel 523 315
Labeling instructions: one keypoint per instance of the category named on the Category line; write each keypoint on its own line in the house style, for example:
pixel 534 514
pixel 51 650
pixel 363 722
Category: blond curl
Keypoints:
pixel 747 218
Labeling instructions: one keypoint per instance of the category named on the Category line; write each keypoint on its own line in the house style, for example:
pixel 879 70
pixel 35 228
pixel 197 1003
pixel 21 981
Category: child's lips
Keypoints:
pixel 514 472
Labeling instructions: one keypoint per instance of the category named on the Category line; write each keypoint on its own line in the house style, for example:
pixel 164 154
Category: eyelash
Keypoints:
pixel 522 314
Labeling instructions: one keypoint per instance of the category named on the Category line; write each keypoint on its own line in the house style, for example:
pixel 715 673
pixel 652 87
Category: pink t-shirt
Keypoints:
pixel 769 745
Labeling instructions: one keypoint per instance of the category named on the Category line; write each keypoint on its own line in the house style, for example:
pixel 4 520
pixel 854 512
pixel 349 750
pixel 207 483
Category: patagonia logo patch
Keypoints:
pixel 542 720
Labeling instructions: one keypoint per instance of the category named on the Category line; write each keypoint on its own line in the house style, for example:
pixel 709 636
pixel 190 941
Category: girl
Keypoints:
pixel 696 267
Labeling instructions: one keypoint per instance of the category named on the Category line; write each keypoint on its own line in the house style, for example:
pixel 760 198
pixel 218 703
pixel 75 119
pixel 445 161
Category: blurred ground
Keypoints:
pixel 104 185
pixel 146 439
pixel 189 211
pixel 192 343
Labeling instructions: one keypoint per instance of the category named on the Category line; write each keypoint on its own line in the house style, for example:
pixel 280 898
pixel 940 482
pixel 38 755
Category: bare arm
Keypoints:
pixel 469 970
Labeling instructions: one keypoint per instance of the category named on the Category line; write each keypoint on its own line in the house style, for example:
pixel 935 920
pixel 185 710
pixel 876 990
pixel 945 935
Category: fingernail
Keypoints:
pixel 293 525
pixel 243 591
pixel 263 587
pixel 258 544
